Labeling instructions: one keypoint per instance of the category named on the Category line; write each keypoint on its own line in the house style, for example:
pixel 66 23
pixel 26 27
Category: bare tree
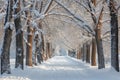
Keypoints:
pixel 79 53
pixel 97 28
pixel 84 52
pixel 93 54
pixel 88 52
pixel 48 49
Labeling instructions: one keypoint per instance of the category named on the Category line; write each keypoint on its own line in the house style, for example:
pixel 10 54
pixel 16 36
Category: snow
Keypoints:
pixel 36 32
pixel 9 25
pixel 61 68
pixel 2 15
pixel 37 14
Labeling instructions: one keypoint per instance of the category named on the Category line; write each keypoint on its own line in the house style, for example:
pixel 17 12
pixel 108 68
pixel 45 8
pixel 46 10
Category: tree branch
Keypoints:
pixel 47 6
pixel 83 22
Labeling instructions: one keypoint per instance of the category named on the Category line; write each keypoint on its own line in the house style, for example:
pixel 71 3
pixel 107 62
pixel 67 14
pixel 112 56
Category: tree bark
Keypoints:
pixel 38 55
pixel 93 55
pixel 5 54
pixel 42 43
pixel 114 36
pixel 79 53
pixel 48 49
pixel 84 52
pixel 98 25
pixel 101 61
pixel 19 37
pixel 88 53
pixel 29 45
pixel 94 2
pixel 36 40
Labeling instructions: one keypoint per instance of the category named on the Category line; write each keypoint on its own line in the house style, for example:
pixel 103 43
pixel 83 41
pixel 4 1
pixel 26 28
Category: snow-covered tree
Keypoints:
pixel 114 35
pixel 19 35
pixel 5 54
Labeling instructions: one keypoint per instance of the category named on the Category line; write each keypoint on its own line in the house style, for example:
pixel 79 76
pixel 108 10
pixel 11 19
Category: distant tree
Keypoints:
pixel 48 47
pixel 84 52
pixel 88 52
pixel 19 36
pixel 43 11
pixel 114 35
pixel 79 53
pixel 42 44
pixel 38 48
pixel 5 55
pixel 93 53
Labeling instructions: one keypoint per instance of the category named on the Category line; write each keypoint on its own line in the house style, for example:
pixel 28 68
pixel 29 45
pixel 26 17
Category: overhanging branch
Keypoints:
pixel 83 22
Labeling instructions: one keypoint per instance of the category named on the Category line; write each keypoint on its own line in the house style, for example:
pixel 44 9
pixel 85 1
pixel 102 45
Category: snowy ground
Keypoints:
pixel 62 68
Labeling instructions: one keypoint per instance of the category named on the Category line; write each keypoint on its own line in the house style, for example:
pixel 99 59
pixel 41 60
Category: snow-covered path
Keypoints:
pixel 62 68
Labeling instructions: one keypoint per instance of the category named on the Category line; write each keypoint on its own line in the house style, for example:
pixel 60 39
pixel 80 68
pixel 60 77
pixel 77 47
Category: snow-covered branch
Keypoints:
pixel 47 7
pixel 85 7
pixel 83 23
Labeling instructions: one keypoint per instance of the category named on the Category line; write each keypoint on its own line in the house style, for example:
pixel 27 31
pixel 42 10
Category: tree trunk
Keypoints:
pixel 42 43
pixel 101 61
pixel 19 38
pixel 79 53
pixel 98 25
pixel 114 36
pixel 84 52
pixel 29 45
pixel 36 40
pixel 88 53
pixel 93 55
pixel 48 49
pixel 5 54
pixel 38 55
